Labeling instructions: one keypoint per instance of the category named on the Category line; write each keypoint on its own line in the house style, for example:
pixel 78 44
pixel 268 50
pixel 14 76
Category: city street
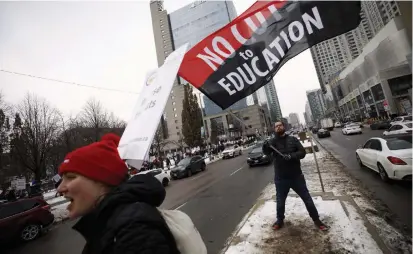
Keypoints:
pixel 396 195
pixel 216 200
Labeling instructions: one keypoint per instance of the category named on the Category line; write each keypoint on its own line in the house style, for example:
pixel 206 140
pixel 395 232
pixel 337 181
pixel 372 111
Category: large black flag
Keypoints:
pixel 243 56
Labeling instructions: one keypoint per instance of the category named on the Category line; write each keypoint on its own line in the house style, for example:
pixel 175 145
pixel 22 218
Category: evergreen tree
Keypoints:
pixel 214 132
pixel 191 119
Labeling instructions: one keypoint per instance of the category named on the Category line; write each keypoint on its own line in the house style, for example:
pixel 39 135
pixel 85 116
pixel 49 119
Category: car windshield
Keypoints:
pixel 257 150
pixel 352 125
pixel 409 125
pixel 229 148
pixel 398 144
pixel 184 161
pixel 407 119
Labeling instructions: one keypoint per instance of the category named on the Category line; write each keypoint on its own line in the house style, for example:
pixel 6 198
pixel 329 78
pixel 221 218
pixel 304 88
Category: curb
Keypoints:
pixel 325 196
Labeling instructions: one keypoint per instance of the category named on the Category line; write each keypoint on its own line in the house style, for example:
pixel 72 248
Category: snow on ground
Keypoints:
pixel 337 180
pixel 60 213
pixel 49 195
pixel 55 200
pixel 347 233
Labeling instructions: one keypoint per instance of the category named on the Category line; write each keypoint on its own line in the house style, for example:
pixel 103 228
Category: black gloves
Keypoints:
pixel 287 157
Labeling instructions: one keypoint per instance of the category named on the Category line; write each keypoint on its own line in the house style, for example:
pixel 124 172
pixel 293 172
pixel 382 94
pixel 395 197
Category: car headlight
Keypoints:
pixel 264 156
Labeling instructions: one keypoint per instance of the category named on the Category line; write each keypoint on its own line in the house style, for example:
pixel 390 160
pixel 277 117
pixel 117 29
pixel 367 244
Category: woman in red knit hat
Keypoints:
pixel 117 215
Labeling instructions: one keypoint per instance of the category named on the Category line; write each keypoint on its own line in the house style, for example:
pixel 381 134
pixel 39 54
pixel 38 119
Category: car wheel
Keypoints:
pixel 165 182
pixel 30 232
pixel 383 173
pixel 359 161
pixel 203 167
pixel 240 152
pixel 189 173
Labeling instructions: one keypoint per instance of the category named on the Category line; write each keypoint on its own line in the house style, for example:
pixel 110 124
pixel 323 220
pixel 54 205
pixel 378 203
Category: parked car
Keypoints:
pixel 399 128
pixel 337 125
pixel 231 152
pixel 24 219
pixel 401 119
pixel 390 156
pixel 380 125
pixel 159 174
pixel 257 157
pixel 188 166
pixel 323 133
pixel 360 124
pixel 352 128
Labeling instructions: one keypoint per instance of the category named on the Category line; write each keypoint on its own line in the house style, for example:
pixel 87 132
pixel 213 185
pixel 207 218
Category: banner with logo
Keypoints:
pixel 140 131
pixel 243 56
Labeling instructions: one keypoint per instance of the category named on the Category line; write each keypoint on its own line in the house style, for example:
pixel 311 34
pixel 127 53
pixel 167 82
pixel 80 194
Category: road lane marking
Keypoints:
pixel 180 206
pixel 348 138
pixel 196 177
pixel 236 170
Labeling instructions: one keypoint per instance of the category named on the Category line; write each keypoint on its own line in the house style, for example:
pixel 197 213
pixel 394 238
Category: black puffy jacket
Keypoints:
pixel 285 169
pixel 127 221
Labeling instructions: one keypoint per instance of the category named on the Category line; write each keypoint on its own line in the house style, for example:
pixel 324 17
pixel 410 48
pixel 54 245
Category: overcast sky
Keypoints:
pixel 102 44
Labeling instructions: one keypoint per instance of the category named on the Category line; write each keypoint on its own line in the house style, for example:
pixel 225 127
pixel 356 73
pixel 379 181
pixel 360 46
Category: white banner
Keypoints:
pixel 140 131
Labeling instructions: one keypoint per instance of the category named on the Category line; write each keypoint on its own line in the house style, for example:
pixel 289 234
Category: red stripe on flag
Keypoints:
pixel 195 70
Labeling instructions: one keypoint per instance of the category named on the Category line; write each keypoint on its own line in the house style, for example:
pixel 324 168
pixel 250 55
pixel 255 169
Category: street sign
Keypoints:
pixel 140 131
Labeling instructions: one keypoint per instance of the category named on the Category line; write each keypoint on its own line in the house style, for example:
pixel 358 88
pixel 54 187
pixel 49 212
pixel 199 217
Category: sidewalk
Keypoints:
pixel 355 217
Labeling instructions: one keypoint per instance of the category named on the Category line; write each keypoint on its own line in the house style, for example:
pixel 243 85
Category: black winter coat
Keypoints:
pixel 126 221
pixel 287 145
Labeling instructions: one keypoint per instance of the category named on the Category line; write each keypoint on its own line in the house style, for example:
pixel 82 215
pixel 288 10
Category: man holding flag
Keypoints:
pixel 288 174
pixel 244 55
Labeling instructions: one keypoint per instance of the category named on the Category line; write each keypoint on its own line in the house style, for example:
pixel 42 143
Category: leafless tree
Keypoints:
pixel 116 123
pixel 39 131
pixel 94 117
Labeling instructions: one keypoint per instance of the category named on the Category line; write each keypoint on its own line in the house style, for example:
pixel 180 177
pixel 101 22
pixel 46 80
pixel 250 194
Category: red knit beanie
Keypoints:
pixel 99 161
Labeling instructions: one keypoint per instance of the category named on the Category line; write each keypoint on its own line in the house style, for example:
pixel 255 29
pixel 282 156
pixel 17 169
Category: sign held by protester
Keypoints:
pixel 140 131
pixel 244 55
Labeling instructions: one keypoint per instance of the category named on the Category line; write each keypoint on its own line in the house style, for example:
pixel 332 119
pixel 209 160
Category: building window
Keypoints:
pixel 176 121
pixel 174 109
pixel 163 31
pixel 172 91
pixel 176 115
pixel 246 118
pixel 172 97
pixel 177 127
pixel 173 103
pixel 178 133
pixel 161 26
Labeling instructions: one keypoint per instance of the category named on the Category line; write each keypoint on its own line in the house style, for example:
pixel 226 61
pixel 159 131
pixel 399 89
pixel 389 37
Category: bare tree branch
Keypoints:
pixel 40 129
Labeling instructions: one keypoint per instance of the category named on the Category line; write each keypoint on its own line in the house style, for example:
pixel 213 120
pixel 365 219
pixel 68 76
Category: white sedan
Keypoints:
pixel 399 128
pixel 391 157
pixel 159 174
pixel 231 152
pixel 352 128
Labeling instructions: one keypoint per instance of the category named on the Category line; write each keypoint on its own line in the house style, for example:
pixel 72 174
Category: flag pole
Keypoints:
pixel 316 163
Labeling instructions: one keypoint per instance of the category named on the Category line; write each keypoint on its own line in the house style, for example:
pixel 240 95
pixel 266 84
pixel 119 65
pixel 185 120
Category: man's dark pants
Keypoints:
pixel 299 185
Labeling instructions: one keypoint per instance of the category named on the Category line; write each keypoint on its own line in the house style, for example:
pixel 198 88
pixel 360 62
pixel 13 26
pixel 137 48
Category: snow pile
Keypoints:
pixel 346 235
pixel 49 195
pixel 55 200
pixel 60 212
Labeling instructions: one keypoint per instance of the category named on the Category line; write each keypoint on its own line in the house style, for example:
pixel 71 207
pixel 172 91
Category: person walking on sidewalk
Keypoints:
pixel 288 174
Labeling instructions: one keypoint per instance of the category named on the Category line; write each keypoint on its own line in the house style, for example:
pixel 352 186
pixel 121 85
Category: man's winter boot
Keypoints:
pixel 320 225
pixel 278 225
